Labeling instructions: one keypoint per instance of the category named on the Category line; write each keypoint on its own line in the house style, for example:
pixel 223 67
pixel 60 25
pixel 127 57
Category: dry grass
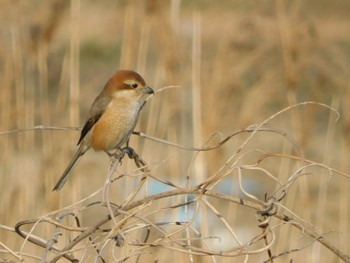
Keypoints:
pixel 238 64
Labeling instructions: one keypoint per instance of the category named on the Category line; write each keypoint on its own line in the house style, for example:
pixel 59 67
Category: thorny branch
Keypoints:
pixel 131 208
pixel 86 232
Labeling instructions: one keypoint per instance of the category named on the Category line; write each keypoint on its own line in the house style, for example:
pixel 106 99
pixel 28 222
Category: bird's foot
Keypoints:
pixel 117 154
pixel 130 152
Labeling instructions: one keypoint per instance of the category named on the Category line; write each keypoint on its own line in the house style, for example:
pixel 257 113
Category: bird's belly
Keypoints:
pixel 114 128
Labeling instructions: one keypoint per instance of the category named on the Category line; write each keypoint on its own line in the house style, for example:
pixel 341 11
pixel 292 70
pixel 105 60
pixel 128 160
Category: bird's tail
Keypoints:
pixel 80 152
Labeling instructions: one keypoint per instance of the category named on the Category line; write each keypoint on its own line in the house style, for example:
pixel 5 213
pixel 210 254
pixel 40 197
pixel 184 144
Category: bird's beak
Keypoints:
pixel 149 90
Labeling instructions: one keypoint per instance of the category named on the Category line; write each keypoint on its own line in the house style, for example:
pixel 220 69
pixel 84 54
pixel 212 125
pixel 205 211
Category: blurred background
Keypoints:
pixel 236 62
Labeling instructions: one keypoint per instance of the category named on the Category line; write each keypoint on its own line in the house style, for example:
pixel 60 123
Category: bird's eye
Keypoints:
pixel 134 85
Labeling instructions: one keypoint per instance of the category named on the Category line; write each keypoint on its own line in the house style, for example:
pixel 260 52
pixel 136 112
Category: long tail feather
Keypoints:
pixel 80 152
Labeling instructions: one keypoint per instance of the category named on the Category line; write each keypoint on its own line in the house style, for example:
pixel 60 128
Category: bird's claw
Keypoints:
pixel 130 152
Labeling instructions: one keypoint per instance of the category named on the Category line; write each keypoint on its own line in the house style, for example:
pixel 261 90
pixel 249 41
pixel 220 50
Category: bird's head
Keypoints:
pixel 129 84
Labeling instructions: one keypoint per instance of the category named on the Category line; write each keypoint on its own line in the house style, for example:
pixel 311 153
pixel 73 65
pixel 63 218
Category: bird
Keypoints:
pixel 113 117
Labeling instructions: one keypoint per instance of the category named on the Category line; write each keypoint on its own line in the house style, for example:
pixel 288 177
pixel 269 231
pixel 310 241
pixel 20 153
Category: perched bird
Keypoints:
pixel 113 116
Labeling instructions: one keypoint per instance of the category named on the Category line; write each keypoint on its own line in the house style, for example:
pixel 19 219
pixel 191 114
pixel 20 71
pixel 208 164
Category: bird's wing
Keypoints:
pixel 97 109
pixel 88 125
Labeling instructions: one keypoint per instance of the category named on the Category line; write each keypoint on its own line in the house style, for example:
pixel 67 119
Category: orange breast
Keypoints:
pixel 115 126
